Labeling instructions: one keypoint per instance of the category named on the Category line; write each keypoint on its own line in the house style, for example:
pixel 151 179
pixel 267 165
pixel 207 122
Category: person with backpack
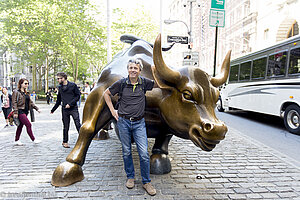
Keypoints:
pixel 131 122
pixel 6 100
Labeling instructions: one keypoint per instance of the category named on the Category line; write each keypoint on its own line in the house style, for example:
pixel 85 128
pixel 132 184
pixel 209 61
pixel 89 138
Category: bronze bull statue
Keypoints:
pixel 182 103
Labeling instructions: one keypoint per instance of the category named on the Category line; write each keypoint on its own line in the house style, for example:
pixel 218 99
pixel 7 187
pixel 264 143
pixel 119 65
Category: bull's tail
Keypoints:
pixel 130 39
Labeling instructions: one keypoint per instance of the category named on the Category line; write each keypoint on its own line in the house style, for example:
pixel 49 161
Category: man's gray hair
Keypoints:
pixel 137 62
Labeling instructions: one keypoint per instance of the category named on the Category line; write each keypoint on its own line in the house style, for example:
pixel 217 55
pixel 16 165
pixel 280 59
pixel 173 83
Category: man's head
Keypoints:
pixel 134 68
pixel 61 77
pixel 87 84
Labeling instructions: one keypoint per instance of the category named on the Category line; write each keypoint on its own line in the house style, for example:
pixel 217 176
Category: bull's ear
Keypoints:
pixel 158 79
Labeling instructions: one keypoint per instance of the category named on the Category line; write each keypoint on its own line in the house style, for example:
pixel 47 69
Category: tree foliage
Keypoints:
pixel 54 35
pixel 138 23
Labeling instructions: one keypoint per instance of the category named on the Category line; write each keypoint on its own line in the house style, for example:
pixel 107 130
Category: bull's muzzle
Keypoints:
pixel 208 135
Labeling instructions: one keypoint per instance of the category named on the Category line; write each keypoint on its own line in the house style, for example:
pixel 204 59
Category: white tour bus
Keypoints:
pixel 268 82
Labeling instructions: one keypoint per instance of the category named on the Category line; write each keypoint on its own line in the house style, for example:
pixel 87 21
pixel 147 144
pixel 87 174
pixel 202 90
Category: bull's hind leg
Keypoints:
pixel 70 171
pixel 159 160
pixel 103 133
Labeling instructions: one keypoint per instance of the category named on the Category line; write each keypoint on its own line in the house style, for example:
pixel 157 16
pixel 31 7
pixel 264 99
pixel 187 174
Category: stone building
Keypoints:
pixel 250 25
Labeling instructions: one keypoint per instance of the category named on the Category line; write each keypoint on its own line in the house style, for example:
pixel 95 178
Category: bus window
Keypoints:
pixel 294 67
pixel 245 71
pixel 234 71
pixel 277 64
pixel 259 68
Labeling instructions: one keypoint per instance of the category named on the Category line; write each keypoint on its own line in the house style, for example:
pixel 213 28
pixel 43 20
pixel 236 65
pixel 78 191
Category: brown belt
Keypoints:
pixel 132 118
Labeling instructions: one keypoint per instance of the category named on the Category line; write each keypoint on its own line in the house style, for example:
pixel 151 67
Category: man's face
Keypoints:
pixel 133 70
pixel 60 79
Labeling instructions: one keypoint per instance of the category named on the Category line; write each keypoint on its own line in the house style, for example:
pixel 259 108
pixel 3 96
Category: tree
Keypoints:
pixel 42 30
pixel 50 35
pixel 138 23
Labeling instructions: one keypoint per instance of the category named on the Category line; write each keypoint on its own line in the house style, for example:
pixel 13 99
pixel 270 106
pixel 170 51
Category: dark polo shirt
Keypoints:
pixel 132 103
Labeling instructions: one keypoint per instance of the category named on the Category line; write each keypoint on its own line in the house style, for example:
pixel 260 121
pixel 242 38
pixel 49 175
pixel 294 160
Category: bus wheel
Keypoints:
pixel 292 119
pixel 219 105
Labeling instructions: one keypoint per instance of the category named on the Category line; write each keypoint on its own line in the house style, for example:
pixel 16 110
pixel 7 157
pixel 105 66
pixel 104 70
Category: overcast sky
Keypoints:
pixel 153 6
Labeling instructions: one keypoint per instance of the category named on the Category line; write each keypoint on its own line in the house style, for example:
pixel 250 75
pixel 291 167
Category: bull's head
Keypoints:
pixel 189 100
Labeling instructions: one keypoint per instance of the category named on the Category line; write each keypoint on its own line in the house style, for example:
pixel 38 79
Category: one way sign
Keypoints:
pixel 218 4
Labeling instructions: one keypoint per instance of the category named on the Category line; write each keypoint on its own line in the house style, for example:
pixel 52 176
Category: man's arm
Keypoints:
pixel 58 102
pixel 148 84
pixel 107 99
pixel 77 95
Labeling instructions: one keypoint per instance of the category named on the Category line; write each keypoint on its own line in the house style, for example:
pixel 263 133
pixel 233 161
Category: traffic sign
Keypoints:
pixel 217 18
pixel 178 39
pixel 191 58
pixel 218 4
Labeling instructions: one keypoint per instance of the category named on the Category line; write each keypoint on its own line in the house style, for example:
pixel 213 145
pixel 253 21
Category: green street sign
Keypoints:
pixel 218 4
pixel 217 18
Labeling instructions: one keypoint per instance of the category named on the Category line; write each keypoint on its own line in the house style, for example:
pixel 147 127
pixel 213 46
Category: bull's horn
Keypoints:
pixel 163 70
pixel 222 77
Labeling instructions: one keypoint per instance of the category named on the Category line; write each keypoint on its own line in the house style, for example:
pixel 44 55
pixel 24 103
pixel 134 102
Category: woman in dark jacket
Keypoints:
pixel 6 104
pixel 21 104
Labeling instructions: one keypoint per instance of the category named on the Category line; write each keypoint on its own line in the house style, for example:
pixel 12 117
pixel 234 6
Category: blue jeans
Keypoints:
pixel 137 129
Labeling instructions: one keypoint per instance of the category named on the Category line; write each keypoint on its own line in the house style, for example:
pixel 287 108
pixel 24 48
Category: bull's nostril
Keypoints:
pixel 208 127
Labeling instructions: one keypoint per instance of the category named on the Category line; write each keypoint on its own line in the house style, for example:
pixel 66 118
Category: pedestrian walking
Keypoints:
pixel 48 96
pixel 79 102
pixel 33 96
pixel 22 103
pixel 6 100
pixel 87 90
pixel 68 95
pixel 131 122
pixel 0 99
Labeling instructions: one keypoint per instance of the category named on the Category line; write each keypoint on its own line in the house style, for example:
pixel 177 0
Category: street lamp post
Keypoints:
pixel 191 22
pixel 170 21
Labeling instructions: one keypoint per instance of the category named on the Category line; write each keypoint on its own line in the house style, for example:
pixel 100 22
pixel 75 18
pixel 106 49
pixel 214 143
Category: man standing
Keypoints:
pixel 87 90
pixel 68 95
pixel 131 122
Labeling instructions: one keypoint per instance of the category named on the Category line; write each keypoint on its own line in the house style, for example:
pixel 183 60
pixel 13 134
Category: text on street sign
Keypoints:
pixel 177 39
pixel 217 18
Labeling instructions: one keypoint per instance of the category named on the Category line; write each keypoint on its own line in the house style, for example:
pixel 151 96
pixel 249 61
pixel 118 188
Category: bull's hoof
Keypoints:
pixel 102 135
pixel 160 164
pixel 66 174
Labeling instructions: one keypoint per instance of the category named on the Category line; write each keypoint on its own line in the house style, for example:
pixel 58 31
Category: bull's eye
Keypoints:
pixel 187 95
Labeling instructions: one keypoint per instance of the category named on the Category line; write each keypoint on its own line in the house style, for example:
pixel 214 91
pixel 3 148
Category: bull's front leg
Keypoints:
pixel 159 160
pixel 70 171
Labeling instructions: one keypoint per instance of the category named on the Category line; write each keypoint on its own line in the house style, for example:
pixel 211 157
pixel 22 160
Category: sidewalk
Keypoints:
pixel 238 168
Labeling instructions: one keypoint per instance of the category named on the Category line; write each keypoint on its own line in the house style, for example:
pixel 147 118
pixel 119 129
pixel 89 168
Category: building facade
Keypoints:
pixel 250 25
pixel 11 71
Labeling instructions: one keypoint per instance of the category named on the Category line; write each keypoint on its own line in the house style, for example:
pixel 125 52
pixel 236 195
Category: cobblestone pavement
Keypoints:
pixel 238 168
